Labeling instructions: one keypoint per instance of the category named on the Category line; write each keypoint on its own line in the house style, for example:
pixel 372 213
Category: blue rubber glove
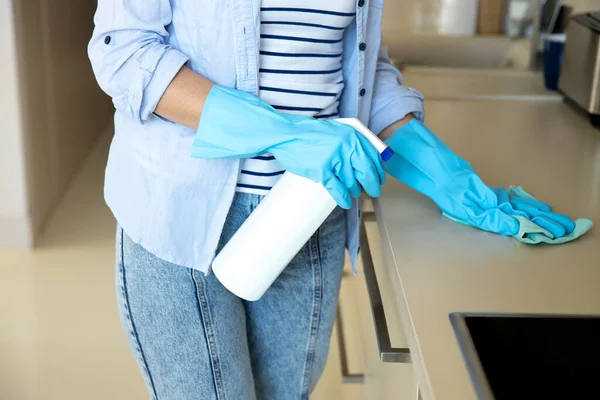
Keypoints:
pixel 517 202
pixel 423 162
pixel 235 124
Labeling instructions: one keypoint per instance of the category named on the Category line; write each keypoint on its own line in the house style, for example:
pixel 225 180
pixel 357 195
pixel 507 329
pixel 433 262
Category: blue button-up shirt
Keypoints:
pixel 170 203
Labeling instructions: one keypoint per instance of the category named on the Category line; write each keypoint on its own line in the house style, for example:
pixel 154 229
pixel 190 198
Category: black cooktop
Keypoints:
pixel 515 356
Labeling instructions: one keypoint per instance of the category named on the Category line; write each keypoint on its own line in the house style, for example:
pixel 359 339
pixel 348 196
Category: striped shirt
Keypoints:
pixel 300 70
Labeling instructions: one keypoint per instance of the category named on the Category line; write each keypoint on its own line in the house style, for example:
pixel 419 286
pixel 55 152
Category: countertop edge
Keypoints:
pixel 402 304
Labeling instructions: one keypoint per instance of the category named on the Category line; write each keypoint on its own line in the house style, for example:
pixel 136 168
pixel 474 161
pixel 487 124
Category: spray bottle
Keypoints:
pixel 278 229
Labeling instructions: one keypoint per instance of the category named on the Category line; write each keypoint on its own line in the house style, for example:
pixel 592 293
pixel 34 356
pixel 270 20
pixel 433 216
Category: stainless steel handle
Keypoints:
pixel 347 377
pixel 387 352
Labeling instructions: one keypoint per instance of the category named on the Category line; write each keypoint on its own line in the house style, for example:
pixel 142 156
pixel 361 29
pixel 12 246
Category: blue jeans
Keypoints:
pixel 195 340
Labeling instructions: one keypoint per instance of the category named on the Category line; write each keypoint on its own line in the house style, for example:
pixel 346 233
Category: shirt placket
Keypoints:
pixel 362 13
pixel 246 43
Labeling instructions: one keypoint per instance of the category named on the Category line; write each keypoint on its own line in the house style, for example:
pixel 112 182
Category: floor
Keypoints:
pixel 60 334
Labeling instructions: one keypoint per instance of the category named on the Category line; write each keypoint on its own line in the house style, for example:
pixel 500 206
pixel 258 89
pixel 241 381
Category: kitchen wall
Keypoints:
pixel 584 5
pixel 430 17
pixel 439 33
pixel 14 221
pixel 62 111
pixel 427 17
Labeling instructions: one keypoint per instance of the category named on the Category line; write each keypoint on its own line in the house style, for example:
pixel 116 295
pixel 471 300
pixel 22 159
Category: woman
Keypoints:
pixel 200 77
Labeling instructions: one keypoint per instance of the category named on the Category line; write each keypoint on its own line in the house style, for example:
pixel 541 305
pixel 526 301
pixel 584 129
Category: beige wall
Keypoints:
pixel 63 111
pixel 14 221
pixel 411 17
pixel 428 17
pixel 415 32
pixel 584 5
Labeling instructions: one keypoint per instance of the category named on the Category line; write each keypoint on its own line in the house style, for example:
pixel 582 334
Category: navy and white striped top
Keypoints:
pixel 300 70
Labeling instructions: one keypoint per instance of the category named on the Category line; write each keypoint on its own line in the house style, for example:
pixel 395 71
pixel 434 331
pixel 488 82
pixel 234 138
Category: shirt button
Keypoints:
pixel 361 3
pixel 107 40
pixel 362 46
pixel 363 91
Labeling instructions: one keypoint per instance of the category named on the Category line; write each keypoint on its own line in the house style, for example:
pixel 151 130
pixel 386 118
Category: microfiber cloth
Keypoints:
pixel 531 233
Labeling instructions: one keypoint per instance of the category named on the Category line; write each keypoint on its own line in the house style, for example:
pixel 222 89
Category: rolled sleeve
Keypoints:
pixel 130 56
pixel 160 78
pixel 391 100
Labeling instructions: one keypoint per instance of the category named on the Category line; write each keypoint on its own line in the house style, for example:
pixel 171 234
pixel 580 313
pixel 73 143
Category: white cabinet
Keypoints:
pixel 383 380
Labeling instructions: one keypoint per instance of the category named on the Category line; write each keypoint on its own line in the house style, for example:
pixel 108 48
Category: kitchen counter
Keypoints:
pixel 439 267
pixel 440 83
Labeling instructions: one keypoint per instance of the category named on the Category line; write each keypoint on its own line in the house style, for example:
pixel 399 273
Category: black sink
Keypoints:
pixel 536 356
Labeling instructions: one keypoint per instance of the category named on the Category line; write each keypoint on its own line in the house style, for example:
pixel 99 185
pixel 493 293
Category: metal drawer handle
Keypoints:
pixel 346 376
pixel 387 352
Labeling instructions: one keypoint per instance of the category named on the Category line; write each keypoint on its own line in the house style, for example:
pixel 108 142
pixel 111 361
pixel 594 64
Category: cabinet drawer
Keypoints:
pixel 388 371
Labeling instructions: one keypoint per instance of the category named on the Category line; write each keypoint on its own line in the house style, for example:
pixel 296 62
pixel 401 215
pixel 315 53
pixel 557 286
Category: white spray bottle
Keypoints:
pixel 278 228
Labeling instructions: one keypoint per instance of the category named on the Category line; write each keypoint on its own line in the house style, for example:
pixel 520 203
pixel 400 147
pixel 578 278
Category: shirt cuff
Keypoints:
pixel 166 69
pixel 395 111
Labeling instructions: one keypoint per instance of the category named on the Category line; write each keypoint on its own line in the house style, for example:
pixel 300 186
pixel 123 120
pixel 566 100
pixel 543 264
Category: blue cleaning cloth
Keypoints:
pixel 423 162
pixel 532 233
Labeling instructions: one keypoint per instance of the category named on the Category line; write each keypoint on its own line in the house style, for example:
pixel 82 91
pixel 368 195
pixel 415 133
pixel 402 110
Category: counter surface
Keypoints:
pixel 438 83
pixel 443 267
